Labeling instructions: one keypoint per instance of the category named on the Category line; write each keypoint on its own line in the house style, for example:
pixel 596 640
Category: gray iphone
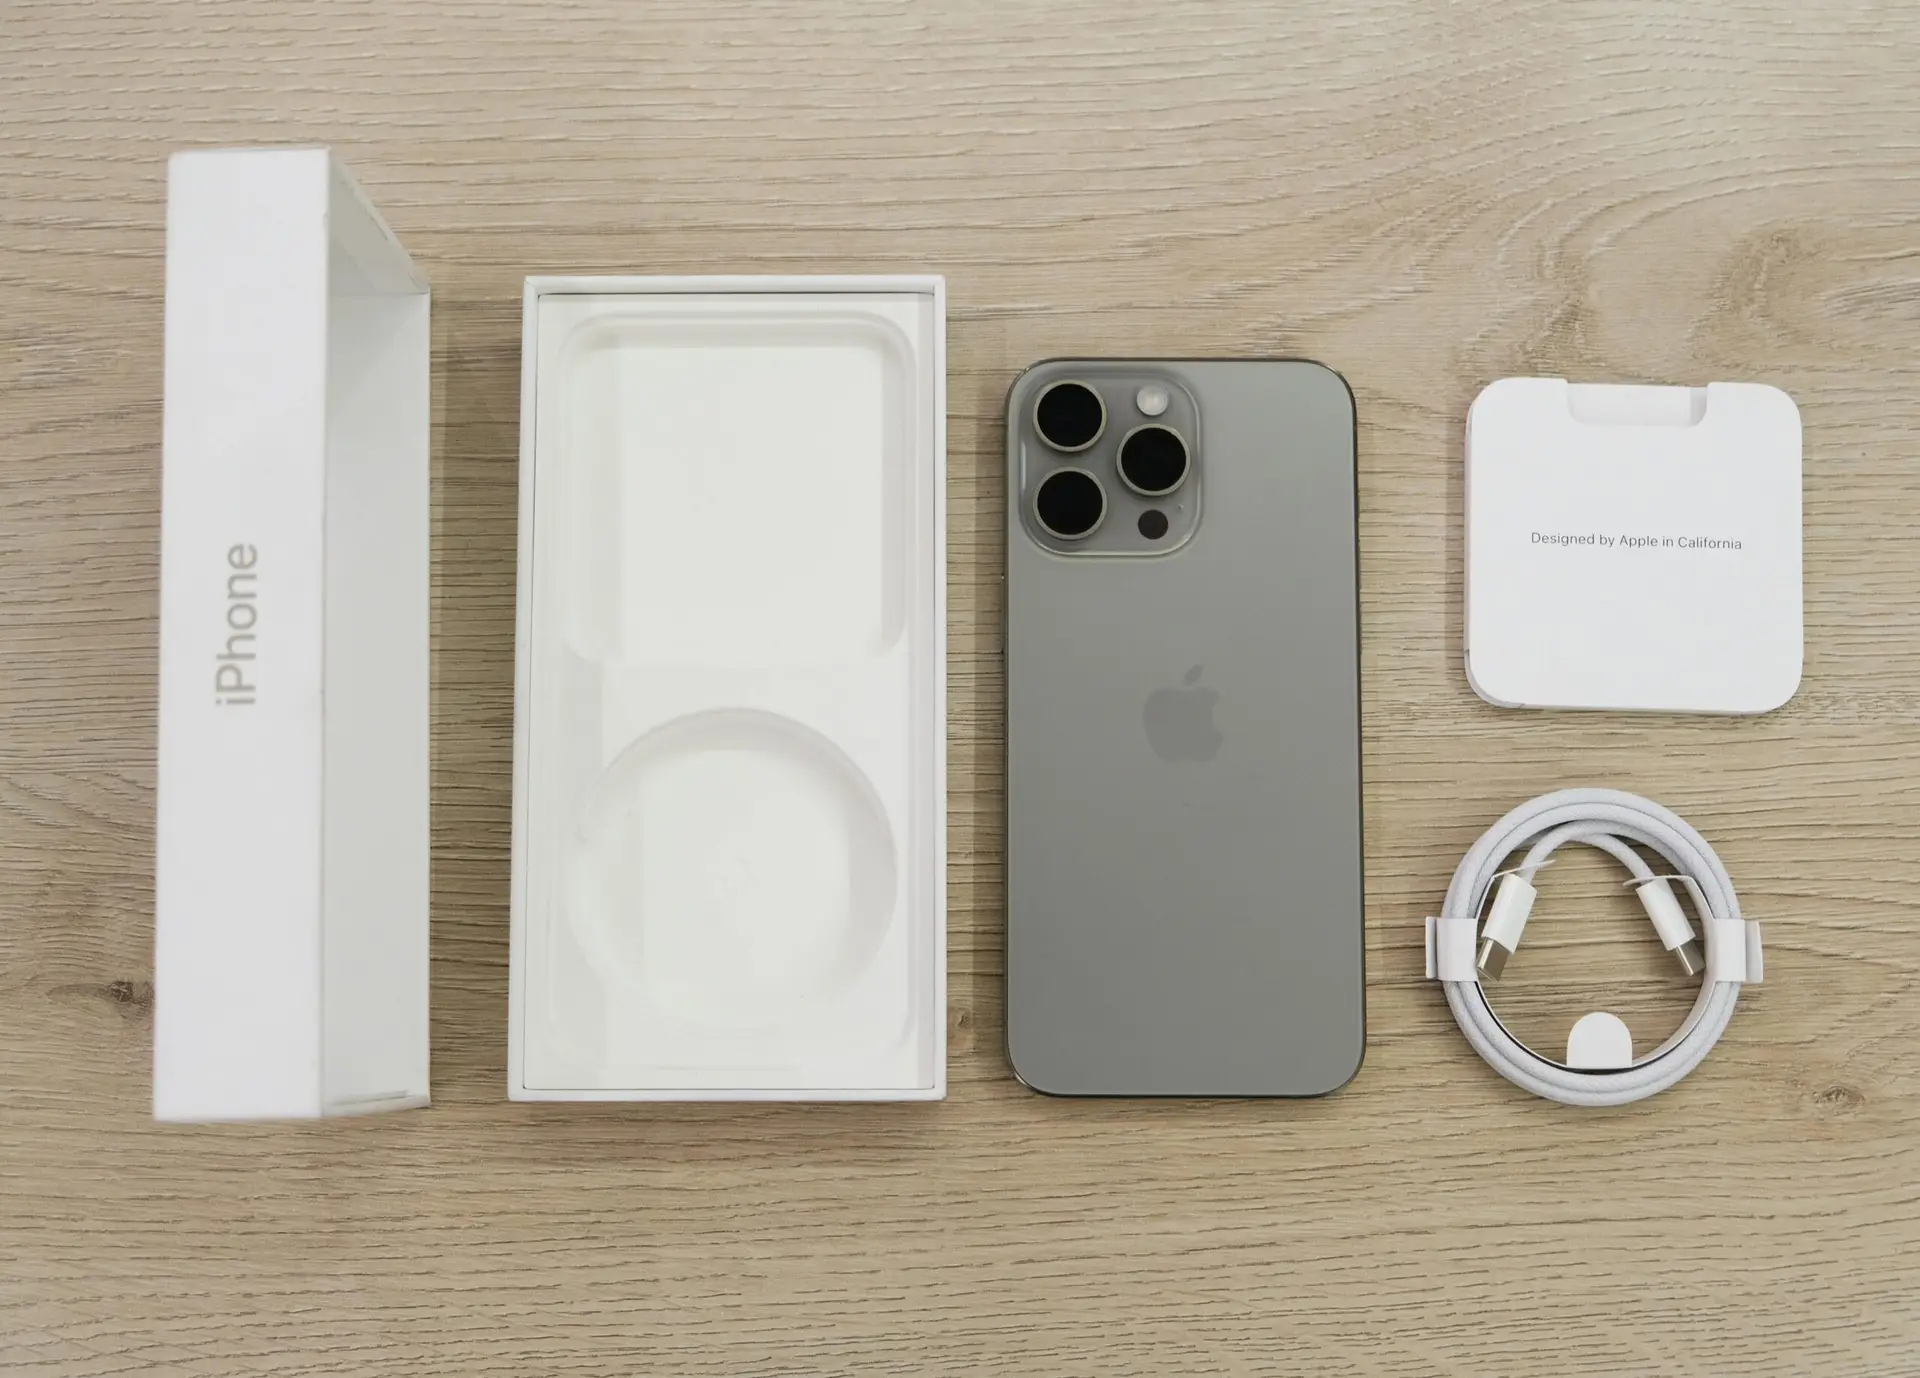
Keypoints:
pixel 1183 729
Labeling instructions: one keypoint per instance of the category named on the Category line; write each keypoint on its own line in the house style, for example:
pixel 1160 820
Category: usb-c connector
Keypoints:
pixel 1506 919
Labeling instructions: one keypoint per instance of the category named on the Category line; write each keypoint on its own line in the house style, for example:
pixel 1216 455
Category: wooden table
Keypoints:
pixel 1428 196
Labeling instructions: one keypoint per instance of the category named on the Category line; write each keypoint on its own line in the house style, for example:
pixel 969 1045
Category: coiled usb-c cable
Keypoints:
pixel 1462 950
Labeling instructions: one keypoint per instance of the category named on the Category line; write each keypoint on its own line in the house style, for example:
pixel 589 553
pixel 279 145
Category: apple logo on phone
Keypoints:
pixel 1179 721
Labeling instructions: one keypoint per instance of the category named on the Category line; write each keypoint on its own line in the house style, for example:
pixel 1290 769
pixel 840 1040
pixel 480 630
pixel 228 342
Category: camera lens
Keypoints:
pixel 1070 416
pixel 1153 461
pixel 1070 503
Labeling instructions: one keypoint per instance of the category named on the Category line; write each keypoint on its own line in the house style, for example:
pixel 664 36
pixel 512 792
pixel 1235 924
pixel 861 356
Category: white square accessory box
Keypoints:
pixel 729 740
pixel 291 868
pixel 1633 547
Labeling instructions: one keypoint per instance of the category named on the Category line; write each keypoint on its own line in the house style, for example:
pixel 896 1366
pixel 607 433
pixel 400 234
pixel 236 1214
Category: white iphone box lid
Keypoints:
pixel 729 848
pixel 1633 547
pixel 291 837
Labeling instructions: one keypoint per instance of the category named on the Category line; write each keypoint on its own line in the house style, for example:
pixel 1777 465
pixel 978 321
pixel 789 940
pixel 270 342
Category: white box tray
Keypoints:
pixel 729 774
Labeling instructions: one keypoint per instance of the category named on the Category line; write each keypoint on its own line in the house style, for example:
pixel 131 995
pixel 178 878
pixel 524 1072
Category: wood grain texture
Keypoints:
pixel 1427 196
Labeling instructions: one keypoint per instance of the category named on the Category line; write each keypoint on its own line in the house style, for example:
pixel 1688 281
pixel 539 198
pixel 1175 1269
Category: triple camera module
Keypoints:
pixel 1151 461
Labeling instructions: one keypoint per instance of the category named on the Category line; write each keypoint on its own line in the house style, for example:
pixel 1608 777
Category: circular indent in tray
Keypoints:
pixel 730 866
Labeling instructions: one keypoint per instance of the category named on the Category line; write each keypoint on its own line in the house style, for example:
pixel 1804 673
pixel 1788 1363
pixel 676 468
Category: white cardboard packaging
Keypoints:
pixel 729 756
pixel 291 874
pixel 1633 547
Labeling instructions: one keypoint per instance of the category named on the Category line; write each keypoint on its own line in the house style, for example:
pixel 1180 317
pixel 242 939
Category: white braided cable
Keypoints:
pixel 1609 820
